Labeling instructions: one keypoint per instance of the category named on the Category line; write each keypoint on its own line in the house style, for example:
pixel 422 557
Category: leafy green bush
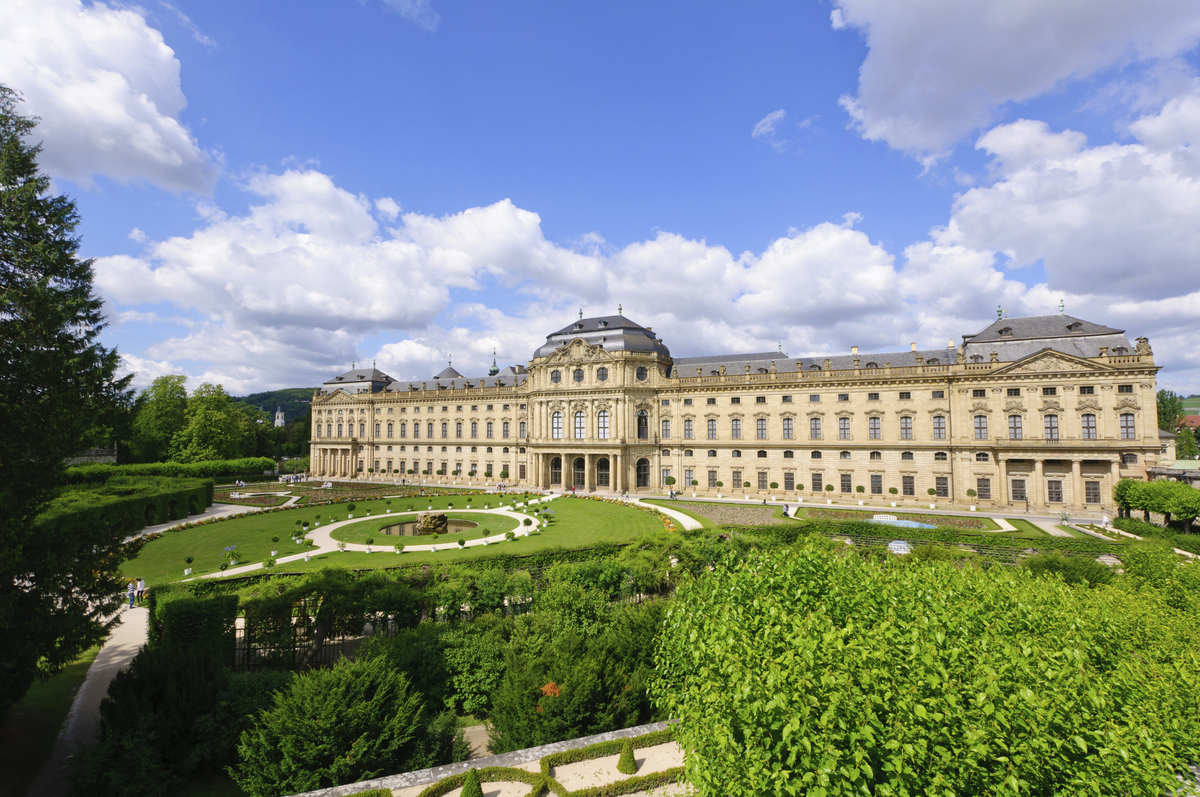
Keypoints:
pixel 1141 528
pixel 125 505
pixel 211 469
pixel 1073 569
pixel 805 672
pixel 354 721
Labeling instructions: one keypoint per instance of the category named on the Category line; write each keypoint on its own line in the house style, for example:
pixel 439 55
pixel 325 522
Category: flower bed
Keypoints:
pixel 941 521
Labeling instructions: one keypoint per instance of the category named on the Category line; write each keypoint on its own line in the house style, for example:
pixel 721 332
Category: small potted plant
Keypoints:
pixel 350 510
pixel 508 535
pixel 399 547
pixel 187 571
pixel 370 542
pixel 971 494
pixel 893 491
pixel 462 543
pixel 389 505
pixel 275 544
pixel 719 486
pixel 932 493
pixel 342 547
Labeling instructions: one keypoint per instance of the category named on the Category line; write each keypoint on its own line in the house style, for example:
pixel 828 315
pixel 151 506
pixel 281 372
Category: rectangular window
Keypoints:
pixel 1087 390
pixel 872 397
pixel 942 456
pixel 737 479
pixel 458 430
pixel 939 427
pixel 876 484
pixel 906 427
pixel 1054 491
pixel 1127 430
pixel 1018 490
pixel 983 489
pixel 905 395
pixel 688 478
pixel 1129 459
pixel 474 430
pixel 489 430
pixel 377 430
pixel 978 393
pixel 417 429
pixel 817 483
pixel 735 429
pixel 521 427
pixel 1051 425
pixel 942 485
pixel 687 430
pixel 1014 392
pixel 843 428
pixel 504 430
pixel 391 428
pixel 814 397
pixel 712 428
pixel 580 426
pixel 843 396
pixel 760 428
pixel 847 483
pixel 712 478
pixel 1014 427
pixel 555 426
pixel 874 428
pixel 938 394
pixel 1124 388
pixel 787 399
pixel 787 429
pixel 665 403
pixel 687 402
pixel 814 428
pixel 908 485
pixel 760 400
pixel 981 427
pixel 1049 391
pixel 666 474
pixel 521 471
pixel 666 430
pixel 710 401
pixel 735 400
pixel 762 480
pixel 1091 492
pixel 789 481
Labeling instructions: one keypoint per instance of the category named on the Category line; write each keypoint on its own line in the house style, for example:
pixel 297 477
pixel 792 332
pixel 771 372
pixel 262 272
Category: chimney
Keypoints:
pixel 913 346
pixel 854 350
pixel 950 344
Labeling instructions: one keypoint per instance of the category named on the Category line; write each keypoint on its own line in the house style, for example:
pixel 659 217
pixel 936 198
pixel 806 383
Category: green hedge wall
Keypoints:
pixel 217 468
pixel 125 505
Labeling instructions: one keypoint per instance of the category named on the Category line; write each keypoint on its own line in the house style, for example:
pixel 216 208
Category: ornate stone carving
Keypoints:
pixel 815 414
pixel 1143 347
pixel 1087 404
pixel 1014 406
pixel 844 413
pixel 1049 405
pixel 980 406
pixel 1127 403
pixel 1051 362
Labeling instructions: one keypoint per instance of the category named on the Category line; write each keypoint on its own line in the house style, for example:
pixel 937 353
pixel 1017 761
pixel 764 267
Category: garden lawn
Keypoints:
pixel 678 506
pixel 867 514
pixel 32 725
pixel 489 526
pixel 577 523
pixel 1025 529
pixel 719 513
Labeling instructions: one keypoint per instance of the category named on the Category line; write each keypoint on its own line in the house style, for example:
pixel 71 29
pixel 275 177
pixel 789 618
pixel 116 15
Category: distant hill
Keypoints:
pixel 295 401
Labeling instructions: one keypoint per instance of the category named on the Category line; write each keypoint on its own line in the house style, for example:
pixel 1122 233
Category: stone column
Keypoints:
pixel 587 473
pixel 1076 484
pixel 1001 493
pixel 1039 477
pixel 1115 476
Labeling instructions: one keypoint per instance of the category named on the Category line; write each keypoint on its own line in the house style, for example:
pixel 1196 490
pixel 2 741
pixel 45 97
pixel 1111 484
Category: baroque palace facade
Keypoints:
pixel 1047 411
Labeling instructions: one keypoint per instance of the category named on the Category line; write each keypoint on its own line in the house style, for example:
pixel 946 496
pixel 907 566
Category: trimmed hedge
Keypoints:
pixel 126 505
pixel 187 623
pixel 90 474
pixel 601 749
pixel 485 775
pixel 1141 528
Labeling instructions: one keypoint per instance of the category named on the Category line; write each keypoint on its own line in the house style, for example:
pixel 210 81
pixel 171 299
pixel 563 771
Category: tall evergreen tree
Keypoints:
pixel 58 586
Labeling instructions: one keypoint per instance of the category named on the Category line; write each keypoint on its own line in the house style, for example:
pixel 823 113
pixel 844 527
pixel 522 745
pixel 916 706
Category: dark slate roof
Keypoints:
pixel 839 362
pixel 360 376
pixel 728 358
pixel 610 332
pixel 1040 327
pixel 458 383
pixel 448 373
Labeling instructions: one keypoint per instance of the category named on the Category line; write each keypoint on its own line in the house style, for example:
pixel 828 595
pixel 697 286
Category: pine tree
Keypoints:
pixel 56 584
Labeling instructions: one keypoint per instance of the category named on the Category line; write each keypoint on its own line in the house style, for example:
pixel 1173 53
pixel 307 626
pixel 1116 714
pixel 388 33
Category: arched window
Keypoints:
pixel 556 376
pixel 906 456
pixel 1088 426
pixel 429 430
pixel 339 430
pixel 844 455
pixel 1127 428
pixel 458 449
pixel 762 454
pixel 666 452
pixel 642 373
pixel 556 470
pixel 580 425
pixel 712 452
pixel 445 430
pixel 391 428
pixel 602 471
pixel 377 430
pixel 815 455
pixel 362 430
pixel 643 425
pixel 814 368
pixel 666 430
pixel 458 429
pixel 872 365
pixel 318 430
pixel 982 456
pixel 602 376
pixel 556 426
pixel 876 455
pixel 687 452
pixel 942 456
pixel 933 361
pixel 643 473
pixel 602 424
pixel 504 430
pixel 789 454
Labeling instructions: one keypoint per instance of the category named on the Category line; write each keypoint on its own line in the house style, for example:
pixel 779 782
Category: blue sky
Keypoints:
pixel 274 190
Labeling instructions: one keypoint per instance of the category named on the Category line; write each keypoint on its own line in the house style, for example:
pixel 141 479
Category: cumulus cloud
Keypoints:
pixel 107 90
pixel 937 70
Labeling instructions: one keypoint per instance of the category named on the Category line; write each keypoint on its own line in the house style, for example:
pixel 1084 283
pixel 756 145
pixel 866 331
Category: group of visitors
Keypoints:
pixel 292 478
pixel 137 591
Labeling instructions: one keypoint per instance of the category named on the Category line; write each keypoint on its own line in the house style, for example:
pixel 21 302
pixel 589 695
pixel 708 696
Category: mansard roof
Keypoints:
pixel 610 332
pixel 1040 327
pixel 448 373
pixel 360 376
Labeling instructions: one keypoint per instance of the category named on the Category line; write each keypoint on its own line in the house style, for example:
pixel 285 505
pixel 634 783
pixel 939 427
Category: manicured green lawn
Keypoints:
pixel 31 726
pixel 1025 529
pixel 577 523
pixel 916 515
pixel 489 526
pixel 705 522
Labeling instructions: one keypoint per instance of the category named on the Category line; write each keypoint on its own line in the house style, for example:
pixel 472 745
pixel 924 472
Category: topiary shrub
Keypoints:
pixel 471 787
pixel 892 491
pixel 627 764
pixel 829 488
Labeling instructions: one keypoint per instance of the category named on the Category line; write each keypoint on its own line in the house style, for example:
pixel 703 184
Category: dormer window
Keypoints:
pixel 1075 326
pixel 1121 350
pixel 603 324
pixel 579 325
pixel 1005 333
pixel 872 365
pixel 976 358
pixel 933 361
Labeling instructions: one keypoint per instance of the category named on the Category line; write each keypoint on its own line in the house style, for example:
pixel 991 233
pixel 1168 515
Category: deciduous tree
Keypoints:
pixel 161 414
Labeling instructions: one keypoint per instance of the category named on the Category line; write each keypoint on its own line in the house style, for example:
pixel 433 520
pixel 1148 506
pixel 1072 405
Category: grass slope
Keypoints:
pixel 29 730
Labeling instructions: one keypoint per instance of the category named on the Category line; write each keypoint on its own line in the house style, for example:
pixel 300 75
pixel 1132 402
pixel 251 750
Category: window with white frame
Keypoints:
pixel 981 427
pixel 602 424
pixel 1087 426
pixel 760 427
pixel 788 430
pixel 555 425
pixel 580 425
pixel 735 429
pixel 1127 428
pixel 906 431
pixel 688 430
pixel 874 428
pixel 1050 424
pixel 666 430
pixel 1014 427
pixel 712 428
pixel 843 428
pixel 939 427
pixel 814 428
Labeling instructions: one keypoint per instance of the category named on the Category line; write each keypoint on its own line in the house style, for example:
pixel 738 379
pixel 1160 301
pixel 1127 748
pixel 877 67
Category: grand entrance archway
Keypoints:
pixel 579 474
pixel 556 470
pixel 643 473
pixel 602 472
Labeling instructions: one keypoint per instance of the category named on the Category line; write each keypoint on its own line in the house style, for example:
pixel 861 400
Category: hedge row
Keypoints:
pixel 601 749
pixel 126 506
pixel 1162 497
pixel 217 468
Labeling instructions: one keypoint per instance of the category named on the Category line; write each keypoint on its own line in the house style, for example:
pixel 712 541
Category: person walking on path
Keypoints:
pixel 132 592
pixel 141 590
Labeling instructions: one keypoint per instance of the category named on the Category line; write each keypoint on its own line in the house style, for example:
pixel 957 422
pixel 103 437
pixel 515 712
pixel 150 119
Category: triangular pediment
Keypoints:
pixel 1051 361
pixel 578 350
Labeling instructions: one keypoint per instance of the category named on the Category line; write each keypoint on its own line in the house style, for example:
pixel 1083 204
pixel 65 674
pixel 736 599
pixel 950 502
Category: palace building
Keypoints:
pixel 1048 411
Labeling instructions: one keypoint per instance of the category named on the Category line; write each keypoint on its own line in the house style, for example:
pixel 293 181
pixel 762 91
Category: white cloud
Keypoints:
pixel 419 12
pixel 939 69
pixel 145 371
pixel 388 208
pixel 107 90
pixel 202 38
pixel 767 129
pixel 137 235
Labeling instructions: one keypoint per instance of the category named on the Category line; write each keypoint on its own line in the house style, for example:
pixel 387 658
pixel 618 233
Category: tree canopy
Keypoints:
pixel 1170 410
pixel 57 590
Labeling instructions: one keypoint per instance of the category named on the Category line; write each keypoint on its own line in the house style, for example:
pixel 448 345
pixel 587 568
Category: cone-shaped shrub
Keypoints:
pixel 626 764
pixel 471 787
